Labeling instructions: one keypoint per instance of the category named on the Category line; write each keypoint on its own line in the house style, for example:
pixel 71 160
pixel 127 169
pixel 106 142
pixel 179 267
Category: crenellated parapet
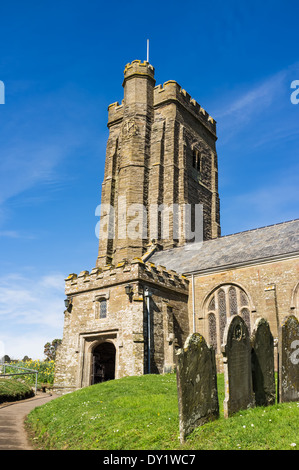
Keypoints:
pixel 115 113
pixel 136 270
pixel 138 68
pixel 135 69
pixel 171 91
pixel 164 139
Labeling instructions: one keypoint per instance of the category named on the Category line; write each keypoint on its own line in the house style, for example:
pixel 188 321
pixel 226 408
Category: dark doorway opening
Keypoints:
pixel 103 363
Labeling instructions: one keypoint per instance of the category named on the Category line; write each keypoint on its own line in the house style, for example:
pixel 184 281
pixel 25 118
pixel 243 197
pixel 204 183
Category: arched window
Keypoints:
pixel 221 311
pixel 245 314
pixel 212 330
pixel 224 302
pixel 295 301
pixel 101 306
pixel 196 160
pixel 233 303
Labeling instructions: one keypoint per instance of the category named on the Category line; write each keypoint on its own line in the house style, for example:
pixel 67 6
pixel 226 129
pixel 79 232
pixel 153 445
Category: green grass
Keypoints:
pixel 142 413
pixel 13 390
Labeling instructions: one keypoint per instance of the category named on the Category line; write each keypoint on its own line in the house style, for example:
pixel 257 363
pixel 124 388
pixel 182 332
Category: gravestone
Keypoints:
pixel 196 384
pixel 236 351
pixel 288 360
pixel 262 362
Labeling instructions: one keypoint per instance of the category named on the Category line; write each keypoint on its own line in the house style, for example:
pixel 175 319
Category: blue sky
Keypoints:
pixel 62 64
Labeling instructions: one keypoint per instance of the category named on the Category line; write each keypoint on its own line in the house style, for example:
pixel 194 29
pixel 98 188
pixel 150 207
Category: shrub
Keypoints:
pixel 45 371
pixel 13 390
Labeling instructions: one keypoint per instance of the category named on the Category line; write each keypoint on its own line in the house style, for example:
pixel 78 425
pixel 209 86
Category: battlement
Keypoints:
pixel 171 91
pixel 115 112
pixel 139 68
pixel 124 272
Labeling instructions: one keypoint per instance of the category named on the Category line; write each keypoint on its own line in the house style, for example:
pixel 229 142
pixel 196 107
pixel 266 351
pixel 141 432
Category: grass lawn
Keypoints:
pixel 142 413
pixel 13 390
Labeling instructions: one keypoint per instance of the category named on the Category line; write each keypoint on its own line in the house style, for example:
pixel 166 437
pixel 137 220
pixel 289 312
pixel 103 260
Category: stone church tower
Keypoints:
pixel 155 280
pixel 127 315
pixel 160 153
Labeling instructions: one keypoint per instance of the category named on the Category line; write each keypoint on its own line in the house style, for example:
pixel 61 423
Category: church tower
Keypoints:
pixel 161 163
pixel 129 314
pixel 148 291
pixel 126 177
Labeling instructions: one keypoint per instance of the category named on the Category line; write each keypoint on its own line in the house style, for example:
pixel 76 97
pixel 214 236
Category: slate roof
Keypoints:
pixel 261 244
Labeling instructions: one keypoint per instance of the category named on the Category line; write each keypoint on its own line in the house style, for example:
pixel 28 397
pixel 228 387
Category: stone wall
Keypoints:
pixel 269 286
pixel 153 136
pixel 125 324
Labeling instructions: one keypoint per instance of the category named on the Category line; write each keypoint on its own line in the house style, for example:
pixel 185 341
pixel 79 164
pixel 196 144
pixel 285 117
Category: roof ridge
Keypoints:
pixel 254 229
pixel 190 245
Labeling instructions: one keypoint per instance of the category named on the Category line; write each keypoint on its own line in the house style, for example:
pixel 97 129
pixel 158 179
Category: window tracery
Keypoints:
pixel 224 302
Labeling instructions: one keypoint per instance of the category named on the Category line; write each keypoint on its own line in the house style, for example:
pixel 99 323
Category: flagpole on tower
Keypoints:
pixel 147 51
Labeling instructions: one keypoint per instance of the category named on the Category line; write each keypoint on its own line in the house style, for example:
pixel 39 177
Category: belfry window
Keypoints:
pixel 196 159
pixel 225 302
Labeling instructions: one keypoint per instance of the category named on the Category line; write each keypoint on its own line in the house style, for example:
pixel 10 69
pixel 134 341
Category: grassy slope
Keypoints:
pixel 142 413
pixel 13 390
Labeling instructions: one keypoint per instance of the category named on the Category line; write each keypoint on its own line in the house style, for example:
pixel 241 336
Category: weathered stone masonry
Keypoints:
pixel 154 138
pixel 254 274
pixel 126 322
pixel 161 150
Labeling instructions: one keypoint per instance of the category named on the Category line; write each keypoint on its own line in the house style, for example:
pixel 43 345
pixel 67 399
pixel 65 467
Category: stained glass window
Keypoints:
pixel 243 298
pixel 212 304
pixel 222 311
pixel 233 303
pixel 245 314
pixel 212 331
pixel 227 300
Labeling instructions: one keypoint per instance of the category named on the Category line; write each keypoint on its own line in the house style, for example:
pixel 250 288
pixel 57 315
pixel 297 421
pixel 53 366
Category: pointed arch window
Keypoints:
pixel 196 160
pixel 101 305
pixel 221 311
pixel 103 308
pixel 224 302
pixel 233 303
pixel 212 330
pixel 295 301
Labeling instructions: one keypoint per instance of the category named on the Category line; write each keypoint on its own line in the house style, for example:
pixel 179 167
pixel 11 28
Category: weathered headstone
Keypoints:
pixel 236 351
pixel 263 378
pixel 196 384
pixel 288 360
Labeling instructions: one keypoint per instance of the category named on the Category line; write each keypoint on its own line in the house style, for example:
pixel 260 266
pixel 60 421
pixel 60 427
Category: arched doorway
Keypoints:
pixel 103 363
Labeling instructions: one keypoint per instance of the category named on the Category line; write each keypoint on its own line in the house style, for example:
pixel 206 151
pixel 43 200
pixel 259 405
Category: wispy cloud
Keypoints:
pixel 14 234
pixel 274 202
pixel 30 307
pixel 265 105
pixel 30 344
pixel 38 135
pixel 30 300
pixel 9 234
pixel 27 164
pixel 255 100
